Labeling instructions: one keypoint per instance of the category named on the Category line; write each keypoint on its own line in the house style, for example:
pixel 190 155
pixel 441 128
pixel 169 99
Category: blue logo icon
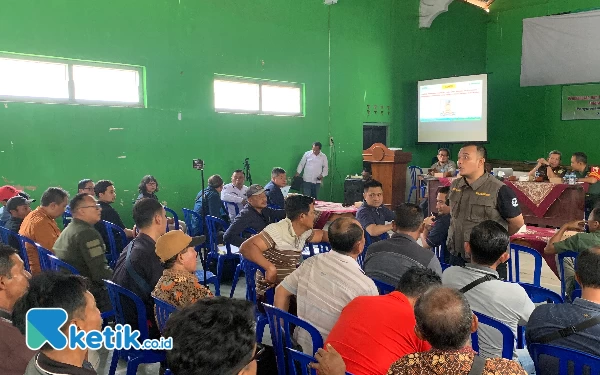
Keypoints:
pixel 43 326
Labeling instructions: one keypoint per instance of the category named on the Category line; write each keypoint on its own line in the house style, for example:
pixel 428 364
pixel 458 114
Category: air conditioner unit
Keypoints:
pixel 330 2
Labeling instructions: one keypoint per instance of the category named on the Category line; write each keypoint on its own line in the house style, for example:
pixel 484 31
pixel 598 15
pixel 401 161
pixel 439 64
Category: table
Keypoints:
pixel 542 203
pixel 327 211
pixel 537 239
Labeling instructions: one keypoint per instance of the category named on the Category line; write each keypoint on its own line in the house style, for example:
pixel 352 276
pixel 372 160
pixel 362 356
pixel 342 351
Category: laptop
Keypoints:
pixel 507 171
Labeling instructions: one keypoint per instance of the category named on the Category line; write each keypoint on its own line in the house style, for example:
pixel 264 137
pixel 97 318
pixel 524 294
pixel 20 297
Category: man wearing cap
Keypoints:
pixel 178 284
pixel 18 207
pixel 6 192
pixel 255 215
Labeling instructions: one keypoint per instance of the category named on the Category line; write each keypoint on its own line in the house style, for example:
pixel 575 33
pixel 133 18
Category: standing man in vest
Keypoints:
pixel 314 163
pixel 475 197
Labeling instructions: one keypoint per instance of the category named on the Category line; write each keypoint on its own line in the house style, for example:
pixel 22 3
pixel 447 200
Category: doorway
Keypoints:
pixel 374 133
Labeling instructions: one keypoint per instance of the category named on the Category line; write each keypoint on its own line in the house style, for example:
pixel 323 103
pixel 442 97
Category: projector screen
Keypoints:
pixel 453 110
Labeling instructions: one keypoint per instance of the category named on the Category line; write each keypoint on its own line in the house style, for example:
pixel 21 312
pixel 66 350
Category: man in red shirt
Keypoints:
pixel 374 331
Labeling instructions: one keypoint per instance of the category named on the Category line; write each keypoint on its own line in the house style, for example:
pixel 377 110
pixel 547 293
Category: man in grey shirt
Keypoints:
pixel 387 260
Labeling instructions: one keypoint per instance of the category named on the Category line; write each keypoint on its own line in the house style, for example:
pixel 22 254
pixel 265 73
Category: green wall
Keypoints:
pixel 525 122
pixel 349 55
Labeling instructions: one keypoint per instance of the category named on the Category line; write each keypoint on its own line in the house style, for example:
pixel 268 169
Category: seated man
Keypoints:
pixel 591 175
pixel 40 224
pixel 141 272
pixel 373 215
pixel 14 281
pixel 444 319
pixel 444 164
pixel 578 243
pixel 105 192
pixel 325 283
pixel 70 293
pixel 278 248
pixel 387 260
pixel 273 188
pixel 85 186
pixel 213 336
pixel 235 192
pixel 256 215
pixel 213 205
pixel 506 302
pixel 389 321
pixel 6 192
pixel 366 174
pixel 550 168
pixel 435 231
pixel 19 208
pixel 547 319
pixel 81 246
pixel 178 284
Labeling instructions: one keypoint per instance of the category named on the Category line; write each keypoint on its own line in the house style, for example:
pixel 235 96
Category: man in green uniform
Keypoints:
pixel 591 175
pixel 81 245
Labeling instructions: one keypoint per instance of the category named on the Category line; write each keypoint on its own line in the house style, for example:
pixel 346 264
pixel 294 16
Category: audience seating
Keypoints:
pixel 384 288
pixel 368 241
pixel 514 266
pixel 538 294
pixel 111 229
pixel 220 253
pixel 239 267
pixel 561 266
pixel 416 184
pixel 162 312
pixel 23 250
pixel 301 361
pixel 175 218
pixel 44 254
pixel 508 338
pixel 309 249
pixel 575 359
pixel 193 222
pixel 133 357
pixel 66 217
pixel 250 269
pixel 281 324
pixel 226 204
pixel 59 265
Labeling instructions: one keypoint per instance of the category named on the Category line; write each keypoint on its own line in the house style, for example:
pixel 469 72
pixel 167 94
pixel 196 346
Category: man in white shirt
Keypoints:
pixel 235 192
pixel 315 167
pixel 324 284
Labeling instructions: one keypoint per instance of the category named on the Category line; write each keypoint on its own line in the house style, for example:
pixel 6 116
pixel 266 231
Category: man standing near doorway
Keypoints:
pixel 475 197
pixel 314 163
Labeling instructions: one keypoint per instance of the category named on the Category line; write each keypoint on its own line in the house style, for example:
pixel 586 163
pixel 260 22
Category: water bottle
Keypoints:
pixel 572 178
pixel 566 178
pixel 537 173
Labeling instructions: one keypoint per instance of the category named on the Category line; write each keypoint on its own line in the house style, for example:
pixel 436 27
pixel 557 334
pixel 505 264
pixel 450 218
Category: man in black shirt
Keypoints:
pixel 138 267
pixel 273 188
pixel 255 215
pixel 435 231
pixel 18 207
pixel 105 192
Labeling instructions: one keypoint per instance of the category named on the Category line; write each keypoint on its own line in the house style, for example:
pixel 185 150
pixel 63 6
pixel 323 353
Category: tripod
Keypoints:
pixel 198 164
pixel 247 170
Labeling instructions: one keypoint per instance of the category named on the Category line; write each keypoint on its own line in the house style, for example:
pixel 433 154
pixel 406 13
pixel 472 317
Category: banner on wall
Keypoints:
pixel 581 102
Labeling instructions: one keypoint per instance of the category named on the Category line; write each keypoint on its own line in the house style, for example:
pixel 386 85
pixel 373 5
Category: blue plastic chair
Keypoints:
pixel 111 229
pixel 239 267
pixel 194 227
pixel 162 312
pixel 440 252
pixel 133 357
pixel 561 266
pixel 193 221
pixel 274 207
pixel 44 254
pixel 67 217
pixel 4 235
pixel 514 265
pixel 368 242
pixel 7 235
pixel 250 269
pixel 301 361
pixel 23 249
pixel 566 358
pixel 222 252
pixel 59 265
pixel 414 181
pixel 281 324
pixel 175 218
pixel 508 338
pixel 384 288
pixel 236 209
pixel 538 294
pixel 309 249
pixel 445 266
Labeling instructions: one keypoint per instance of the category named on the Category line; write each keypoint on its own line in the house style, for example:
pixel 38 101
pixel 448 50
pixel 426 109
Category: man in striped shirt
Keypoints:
pixel 324 284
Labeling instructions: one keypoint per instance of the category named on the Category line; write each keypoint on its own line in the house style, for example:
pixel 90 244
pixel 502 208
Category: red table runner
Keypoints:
pixel 537 239
pixel 324 210
pixel 537 196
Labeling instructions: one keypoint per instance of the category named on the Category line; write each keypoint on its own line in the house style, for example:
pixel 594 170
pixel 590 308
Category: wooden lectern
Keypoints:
pixel 389 167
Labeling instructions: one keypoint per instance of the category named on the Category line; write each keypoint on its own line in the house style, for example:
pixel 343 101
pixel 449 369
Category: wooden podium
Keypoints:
pixel 389 167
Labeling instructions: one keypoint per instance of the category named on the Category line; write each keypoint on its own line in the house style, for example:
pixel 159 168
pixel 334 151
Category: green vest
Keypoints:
pixel 470 205
pixel 594 189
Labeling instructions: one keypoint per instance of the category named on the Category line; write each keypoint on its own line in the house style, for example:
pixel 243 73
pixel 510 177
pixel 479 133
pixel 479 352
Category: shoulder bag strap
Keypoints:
pixel 141 283
pixel 476 282
pixel 478 366
pixel 568 331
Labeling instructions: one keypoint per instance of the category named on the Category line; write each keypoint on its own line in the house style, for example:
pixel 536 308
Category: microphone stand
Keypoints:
pixel 247 170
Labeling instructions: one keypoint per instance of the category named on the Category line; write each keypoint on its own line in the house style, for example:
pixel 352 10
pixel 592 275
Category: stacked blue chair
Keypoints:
pixel 250 269
pixel 281 324
pixel 567 358
pixel 217 252
pixel 175 218
pixel 514 267
pixel 133 356
pixel 44 255
pixel 415 183
pixel 384 288
pixel 114 250
pixel 162 312
pixel 561 266
pixel 508 337
pixel 239 267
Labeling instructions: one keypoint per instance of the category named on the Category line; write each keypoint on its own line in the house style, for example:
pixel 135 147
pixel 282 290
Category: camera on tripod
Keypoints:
pixel 198 164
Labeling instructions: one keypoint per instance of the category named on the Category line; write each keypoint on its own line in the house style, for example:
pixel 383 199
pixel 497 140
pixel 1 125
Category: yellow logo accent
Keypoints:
pixel 455 189
pixel 449 86
pixel 482 194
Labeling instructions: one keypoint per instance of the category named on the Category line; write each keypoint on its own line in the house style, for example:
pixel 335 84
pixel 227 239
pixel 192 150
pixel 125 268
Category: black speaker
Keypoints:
pixel 353 190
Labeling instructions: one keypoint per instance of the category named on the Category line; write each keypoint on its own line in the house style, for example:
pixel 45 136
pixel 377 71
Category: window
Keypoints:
pixel 241 95
pixel 50 80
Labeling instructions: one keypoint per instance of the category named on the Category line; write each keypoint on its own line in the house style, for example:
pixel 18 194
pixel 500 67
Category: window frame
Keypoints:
pixel 141 70
pixel 260 83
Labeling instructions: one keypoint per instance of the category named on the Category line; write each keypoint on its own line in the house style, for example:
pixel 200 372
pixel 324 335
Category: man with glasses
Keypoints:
pixel 444 164
pixel 85 186
pixel 374 217
pixel 82 247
